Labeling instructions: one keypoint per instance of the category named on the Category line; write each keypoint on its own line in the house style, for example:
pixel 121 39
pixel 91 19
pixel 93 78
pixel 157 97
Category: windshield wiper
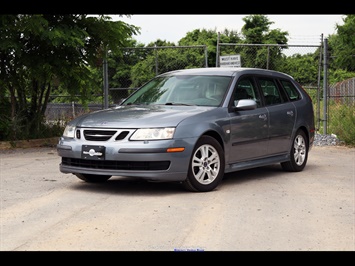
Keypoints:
pixel 133 104
pixel 171 103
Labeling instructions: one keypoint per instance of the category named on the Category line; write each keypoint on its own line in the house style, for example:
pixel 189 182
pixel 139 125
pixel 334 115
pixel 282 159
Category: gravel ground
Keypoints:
pixel 326 140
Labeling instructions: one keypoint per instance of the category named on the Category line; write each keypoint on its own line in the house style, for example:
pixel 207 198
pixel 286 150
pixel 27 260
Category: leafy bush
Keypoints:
pixel 342 122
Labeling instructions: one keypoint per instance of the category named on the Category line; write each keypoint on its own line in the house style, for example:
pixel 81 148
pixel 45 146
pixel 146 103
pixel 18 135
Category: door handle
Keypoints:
pixel 263 116
pixel 290 113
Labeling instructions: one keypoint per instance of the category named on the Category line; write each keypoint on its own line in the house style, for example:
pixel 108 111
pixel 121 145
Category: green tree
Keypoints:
pixel 342 45
pixel 38 52
pixel 159 60
pixel 256 30
pixel 120 65
pixel 209 38
pixel 143 63
pixel 304 68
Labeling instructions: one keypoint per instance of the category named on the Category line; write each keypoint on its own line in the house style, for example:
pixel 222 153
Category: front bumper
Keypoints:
pixel 147 160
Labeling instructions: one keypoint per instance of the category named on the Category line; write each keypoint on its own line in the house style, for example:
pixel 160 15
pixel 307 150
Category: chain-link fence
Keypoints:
pixel 125 73
pixel 144 63
pixel 343 92
pixel 340 116
pixel 266 56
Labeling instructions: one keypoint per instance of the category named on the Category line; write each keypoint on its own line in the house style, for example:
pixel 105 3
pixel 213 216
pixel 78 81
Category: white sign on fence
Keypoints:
pixel 230 61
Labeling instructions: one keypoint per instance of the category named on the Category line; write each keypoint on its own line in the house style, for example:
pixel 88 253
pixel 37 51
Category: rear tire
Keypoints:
pixel 206 168
pixel 93 178
pixel 298 153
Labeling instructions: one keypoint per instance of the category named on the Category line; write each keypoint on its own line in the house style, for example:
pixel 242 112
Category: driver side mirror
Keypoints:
pixel 245 104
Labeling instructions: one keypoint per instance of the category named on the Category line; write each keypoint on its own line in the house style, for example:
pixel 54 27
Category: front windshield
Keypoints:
pixel 182 90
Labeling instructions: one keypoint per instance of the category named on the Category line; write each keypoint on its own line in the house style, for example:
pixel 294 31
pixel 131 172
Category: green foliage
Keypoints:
pixel 304 68
pixel 342 122
pixel 158 61
pixel 12 129
pixel 44 55
pixel 142 72
pixel 39 53
pixel 206 37
pixel 339 75
pixel 342 45
pixel 257 30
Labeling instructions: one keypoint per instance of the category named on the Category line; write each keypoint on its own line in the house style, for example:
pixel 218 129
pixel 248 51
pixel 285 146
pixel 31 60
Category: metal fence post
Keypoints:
pixel 73 108
pixel 318 84
pixel 105 83
pixel 217 50
pixel 206 56
pixel 325 87
pixel 156 60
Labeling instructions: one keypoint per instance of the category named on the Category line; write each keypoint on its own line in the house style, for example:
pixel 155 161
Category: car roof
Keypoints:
pixel 225 71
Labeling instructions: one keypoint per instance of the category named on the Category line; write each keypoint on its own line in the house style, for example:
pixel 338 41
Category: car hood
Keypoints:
pixel 139 116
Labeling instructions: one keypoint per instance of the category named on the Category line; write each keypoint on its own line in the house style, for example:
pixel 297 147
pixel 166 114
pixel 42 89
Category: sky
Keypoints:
pixel 302 29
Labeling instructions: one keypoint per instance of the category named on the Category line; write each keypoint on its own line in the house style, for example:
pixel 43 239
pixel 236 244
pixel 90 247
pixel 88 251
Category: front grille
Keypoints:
pixel 98 135
pixel 116 165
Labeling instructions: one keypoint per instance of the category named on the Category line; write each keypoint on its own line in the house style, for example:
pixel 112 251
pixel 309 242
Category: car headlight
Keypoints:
pixel 153 133
pixel 69 131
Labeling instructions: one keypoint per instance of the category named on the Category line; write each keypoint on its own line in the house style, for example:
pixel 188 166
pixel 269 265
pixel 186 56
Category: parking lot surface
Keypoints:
pixel 263 209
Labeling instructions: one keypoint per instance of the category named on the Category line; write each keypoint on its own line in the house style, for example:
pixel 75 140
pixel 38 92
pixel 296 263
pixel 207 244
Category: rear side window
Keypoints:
pixel 291 90
pixel 270 91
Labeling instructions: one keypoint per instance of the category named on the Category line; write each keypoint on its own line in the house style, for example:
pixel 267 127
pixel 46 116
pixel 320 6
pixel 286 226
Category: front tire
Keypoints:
pixel 206 168
pixel 298 153
pixel 93 178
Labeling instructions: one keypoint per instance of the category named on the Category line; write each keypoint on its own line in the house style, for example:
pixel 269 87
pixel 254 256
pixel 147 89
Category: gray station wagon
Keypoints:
pixel 192 126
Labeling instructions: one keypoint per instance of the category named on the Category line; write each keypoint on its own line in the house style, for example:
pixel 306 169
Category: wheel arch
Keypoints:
pixel 305 131
pixel 216 136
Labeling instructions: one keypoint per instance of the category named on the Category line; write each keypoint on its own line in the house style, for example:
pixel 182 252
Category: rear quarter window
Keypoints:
pixel 270 90
pixel 290 89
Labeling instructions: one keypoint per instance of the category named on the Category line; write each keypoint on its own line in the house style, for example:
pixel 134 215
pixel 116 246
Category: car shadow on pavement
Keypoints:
pixel 137 186
pixel 131 185
pixel 264 172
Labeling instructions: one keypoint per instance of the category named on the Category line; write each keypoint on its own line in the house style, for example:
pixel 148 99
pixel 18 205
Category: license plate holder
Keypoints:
pixel 93 152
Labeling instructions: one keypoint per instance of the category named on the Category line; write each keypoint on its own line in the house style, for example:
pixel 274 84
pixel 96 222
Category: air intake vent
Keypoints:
pixel 122 135
pixel 117 165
